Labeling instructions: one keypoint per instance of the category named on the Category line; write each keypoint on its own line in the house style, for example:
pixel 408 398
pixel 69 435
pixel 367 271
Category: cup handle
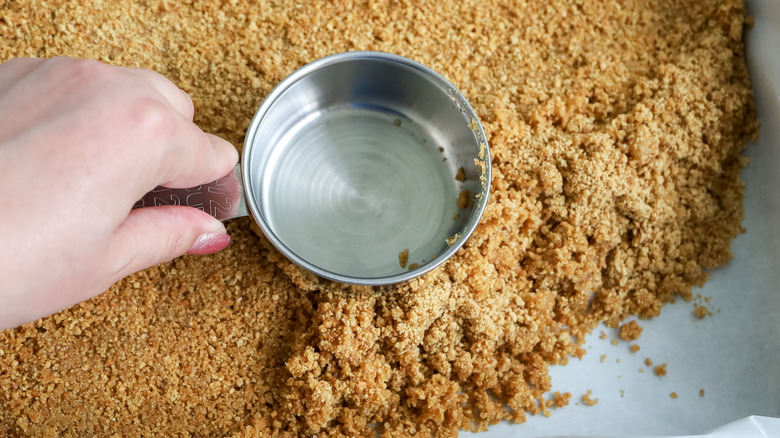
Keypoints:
pixel 223 198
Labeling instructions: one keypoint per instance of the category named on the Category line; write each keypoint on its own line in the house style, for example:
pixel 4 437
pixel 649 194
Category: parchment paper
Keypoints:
pixel 732 355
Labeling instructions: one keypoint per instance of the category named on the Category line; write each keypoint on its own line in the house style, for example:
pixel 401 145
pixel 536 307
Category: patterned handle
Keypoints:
pixel 223 198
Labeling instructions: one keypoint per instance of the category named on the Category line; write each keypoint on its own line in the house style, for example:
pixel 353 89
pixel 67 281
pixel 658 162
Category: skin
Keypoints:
pixel 80 143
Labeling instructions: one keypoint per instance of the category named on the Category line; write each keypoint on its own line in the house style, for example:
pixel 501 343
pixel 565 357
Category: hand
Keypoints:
pixel 80 143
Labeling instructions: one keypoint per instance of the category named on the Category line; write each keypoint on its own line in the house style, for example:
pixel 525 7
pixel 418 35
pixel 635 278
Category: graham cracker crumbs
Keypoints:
pixel 648 362
pixel 615 132
pixel 464 200
pixel 558 400
pixel 414 266
pixel 701 308
pixel 634 348
pixel 461 175
pixel 630 331
pixel 614 342
pixel 673 395
pixel 403 257
pixel 660 370
pixel 701 392
pixel 602 335
pixel 452 239
pixel 603 358
pixel 589 401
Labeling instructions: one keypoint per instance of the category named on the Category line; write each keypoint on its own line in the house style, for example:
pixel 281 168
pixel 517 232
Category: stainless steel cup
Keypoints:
pixel 362 167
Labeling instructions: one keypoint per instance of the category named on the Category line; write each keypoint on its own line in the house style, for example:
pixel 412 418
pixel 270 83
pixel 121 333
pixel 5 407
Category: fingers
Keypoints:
pixel 150 121
pixel 14 69
pixel 150 236
pixel 198 158
pixel 177 97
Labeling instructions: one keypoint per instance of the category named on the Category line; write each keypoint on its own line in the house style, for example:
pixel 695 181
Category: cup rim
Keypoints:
pixel 475 125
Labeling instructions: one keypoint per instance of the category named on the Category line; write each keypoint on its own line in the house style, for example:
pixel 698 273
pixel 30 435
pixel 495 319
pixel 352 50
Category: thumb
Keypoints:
pixel 149 236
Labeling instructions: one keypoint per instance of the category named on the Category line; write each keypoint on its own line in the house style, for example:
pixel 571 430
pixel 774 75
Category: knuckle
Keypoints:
pixel 151 116
pixel 83 71
pixel 189 104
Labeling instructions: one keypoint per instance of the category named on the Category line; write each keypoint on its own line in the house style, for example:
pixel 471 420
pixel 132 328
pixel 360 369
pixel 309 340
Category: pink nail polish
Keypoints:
pixel 209 243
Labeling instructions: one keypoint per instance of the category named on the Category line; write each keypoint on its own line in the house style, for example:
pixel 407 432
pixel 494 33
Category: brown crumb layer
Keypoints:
pixel 615 131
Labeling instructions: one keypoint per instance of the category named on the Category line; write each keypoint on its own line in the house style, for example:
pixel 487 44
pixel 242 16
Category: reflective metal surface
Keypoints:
pixel 223 198
pixel 355 158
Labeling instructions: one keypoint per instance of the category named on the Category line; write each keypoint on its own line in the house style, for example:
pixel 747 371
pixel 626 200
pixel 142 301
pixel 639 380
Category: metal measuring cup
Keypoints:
pixel 362 167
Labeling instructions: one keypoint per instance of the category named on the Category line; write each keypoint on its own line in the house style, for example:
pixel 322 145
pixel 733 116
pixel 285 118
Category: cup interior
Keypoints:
pixel 366 168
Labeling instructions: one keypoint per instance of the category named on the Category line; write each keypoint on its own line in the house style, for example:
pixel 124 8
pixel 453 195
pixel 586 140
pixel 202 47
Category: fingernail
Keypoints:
pixel 209 243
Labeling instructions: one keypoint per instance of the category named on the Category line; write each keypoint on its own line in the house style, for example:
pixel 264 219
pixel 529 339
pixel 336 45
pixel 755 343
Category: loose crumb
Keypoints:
pixel 589 401
pixel 630 331
pixel 660 370
pixel 648 362
pixel 559 400
pixel 461 175
pixel 673 395
pixel 464 200
pixel 614 342
pixel 603 358
pixel 452 239
pixel 701 392
pixel 634 348
pixel 403 257
pixel 700 311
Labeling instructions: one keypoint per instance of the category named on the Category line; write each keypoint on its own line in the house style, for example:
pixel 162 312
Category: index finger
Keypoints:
pixel 195 157
pixel 178 98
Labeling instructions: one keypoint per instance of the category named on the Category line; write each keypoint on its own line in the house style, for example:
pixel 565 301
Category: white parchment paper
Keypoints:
pixel 732 355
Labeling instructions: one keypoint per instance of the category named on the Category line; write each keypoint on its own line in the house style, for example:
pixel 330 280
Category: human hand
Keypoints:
pixel 80 143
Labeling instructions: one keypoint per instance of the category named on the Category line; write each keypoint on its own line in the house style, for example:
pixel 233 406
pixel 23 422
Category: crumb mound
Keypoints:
pixel 615 131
